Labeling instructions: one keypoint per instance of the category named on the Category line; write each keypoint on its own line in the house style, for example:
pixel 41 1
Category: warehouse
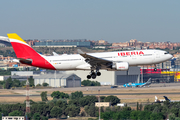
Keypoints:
pixel 58 80
pixel 113 77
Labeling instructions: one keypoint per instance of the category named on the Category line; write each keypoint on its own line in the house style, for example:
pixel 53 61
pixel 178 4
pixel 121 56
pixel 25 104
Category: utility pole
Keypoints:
pixel 27 99
pixel 99 105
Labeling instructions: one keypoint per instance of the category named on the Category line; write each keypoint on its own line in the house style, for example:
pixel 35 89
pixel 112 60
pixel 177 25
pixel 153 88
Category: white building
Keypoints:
pixel 13 118
pixel 112 77
pixel 22 73
pixel 102 104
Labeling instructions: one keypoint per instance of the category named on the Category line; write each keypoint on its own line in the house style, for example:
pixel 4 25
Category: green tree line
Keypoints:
pixel 76 104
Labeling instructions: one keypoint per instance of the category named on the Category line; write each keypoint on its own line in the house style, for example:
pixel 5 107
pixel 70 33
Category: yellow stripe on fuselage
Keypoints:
pixel 15 36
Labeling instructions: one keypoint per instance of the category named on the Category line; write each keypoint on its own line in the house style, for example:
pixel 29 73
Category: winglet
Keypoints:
pixel 80 51
pixel 55 54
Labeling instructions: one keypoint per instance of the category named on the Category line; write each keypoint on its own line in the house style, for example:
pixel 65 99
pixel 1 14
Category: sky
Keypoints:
pixel 110 20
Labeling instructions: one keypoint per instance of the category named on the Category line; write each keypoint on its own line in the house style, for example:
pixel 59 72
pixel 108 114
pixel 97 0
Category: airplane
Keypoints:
pixel 138 84
pixel 165 99
pixel 159 100
pixel 111 61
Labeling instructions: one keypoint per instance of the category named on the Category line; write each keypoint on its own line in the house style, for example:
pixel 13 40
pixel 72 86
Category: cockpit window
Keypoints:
pixel 166 53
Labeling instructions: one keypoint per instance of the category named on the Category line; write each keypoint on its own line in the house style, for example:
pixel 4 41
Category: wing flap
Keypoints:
pixel 95 61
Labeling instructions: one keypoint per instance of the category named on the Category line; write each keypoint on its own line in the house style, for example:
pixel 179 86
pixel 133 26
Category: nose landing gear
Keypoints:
pixel 155 69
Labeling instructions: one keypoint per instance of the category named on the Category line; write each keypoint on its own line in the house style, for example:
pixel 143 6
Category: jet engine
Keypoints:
pixel 122 66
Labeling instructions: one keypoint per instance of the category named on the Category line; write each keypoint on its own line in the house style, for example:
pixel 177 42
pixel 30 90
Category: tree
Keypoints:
pixel 36 116
pixel 165 110
pixel 177 118
pixel 62 104
pixel 56 112
pixel 44 96
pixel 23 83
pixel 16 113
pixel 151 107
pixel 125 113
pixel 87 100
pixel 134 115
pixel 113 99
pixel 44 118
pixel 57 94
pixel 75 102
pixel 144 115
pixel 102 98
pixel 38 85
pixel 16 83
pixel 175 111
pixel 8 83
pixel 45 84
pixel 0 115
pixel 72 111
pixel 90 83
pixel 91 110
pixel 156 116
pixel 137 106
pixel 29 116
pixel 157 109
pixel 76 95
pixel 108 115
pixel 31 81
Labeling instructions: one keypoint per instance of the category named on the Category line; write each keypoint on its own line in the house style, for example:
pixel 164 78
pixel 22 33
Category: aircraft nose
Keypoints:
pixel 170 56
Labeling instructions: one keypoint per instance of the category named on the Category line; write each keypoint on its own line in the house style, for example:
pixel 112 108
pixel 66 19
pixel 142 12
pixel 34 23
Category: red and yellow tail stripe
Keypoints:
pixel 24 51
pixel 13 37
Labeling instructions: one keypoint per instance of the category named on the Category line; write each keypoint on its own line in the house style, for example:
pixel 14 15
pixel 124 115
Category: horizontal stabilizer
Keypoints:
pixel 26 61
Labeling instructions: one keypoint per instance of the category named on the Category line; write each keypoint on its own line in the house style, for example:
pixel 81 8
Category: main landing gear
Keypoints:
pixel 155 69
pixel 93 74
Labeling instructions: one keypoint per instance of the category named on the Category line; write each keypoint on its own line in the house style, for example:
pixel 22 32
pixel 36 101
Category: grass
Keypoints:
pixel 124 98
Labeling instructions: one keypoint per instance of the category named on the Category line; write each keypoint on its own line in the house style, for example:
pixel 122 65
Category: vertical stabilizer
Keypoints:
pixel 26 54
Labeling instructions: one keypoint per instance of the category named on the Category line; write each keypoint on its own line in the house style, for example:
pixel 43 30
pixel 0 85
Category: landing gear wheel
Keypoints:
pixel 93 75
pixel 98 74
pixel 88 76
pixel 155 69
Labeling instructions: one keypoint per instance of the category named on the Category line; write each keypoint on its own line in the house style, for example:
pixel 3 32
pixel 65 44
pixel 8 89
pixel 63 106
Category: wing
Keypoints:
pixel 95 61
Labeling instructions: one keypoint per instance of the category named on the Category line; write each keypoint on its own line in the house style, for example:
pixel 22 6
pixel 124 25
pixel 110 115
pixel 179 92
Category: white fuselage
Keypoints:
pixel 134 58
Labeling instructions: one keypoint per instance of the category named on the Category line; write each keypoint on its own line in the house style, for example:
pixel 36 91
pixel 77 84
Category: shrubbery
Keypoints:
pixel 90 83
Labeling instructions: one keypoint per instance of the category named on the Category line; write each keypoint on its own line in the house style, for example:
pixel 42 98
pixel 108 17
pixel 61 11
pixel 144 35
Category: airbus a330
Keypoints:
pixel 111 61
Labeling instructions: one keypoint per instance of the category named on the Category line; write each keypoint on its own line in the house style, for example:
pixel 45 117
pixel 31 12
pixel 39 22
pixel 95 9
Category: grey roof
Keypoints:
pixel 58 76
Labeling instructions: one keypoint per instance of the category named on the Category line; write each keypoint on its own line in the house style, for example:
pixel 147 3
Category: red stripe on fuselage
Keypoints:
pixel 26 52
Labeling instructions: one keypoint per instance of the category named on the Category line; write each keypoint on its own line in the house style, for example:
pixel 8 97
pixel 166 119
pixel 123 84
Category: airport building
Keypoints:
pixel 58 80
pixel 62 44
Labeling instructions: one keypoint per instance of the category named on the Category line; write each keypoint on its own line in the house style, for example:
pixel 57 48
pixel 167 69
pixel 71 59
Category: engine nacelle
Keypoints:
pixel 122 66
